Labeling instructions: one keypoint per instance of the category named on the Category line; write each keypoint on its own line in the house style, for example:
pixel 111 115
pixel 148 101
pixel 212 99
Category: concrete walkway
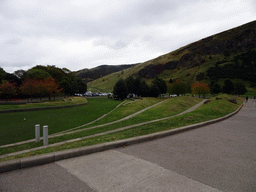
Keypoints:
pixel 216 157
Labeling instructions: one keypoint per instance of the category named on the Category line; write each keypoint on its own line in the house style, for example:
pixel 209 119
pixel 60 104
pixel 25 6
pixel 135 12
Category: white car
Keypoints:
pixel 173 95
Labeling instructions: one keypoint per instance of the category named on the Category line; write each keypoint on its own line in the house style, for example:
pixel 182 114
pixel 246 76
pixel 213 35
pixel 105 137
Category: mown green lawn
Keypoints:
pixel 13 127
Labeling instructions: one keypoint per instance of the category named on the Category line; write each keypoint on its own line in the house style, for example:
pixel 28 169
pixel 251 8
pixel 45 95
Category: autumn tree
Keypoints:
pixel 40 87
pixel 200 88
pixel 29 87
pixel 50 87
pixel 7 90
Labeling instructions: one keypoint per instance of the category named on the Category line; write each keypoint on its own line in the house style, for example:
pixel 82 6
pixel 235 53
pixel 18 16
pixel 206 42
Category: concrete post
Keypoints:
pixel 45 133
pixel 37 132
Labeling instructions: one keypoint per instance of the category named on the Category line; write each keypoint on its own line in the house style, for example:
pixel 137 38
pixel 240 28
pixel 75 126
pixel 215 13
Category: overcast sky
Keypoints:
pixel 79 34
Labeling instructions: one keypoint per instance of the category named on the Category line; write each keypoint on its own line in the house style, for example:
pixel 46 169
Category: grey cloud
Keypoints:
pixel 119 44
pixel 156 26
pixel 13 41
pixel 111 43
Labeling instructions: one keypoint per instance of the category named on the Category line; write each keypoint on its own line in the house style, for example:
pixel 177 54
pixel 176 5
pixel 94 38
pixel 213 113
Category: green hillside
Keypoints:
pixel 91 74
pixel 222 53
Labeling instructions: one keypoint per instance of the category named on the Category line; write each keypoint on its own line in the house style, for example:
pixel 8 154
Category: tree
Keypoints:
pixel 154 91
pixel 11 78
pixel 7 90
pixel 239 88
pixel 71 85
pixel 137 86
pixel 200 77
pixel 228 86
pixel 66 85
pixel 130 84
pixel 65 70
pixel 2 75
pixel 36 74
pixel 81 87
pixel 177 87
pixel 51 87
pixel 215 88
pixel 29 87
pixel 19 73
pixel 120 89
pixel 144 90
pixel 200 88
pixel 54 71
pixel 160 84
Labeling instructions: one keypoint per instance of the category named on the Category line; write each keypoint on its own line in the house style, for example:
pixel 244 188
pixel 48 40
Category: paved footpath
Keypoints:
pixel 217 157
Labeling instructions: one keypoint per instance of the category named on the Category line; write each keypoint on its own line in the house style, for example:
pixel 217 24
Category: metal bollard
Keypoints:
pixel 37 132
pixel 45 133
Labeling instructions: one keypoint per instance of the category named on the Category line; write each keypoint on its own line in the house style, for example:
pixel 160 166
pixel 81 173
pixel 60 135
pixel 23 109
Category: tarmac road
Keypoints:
pixel 217 157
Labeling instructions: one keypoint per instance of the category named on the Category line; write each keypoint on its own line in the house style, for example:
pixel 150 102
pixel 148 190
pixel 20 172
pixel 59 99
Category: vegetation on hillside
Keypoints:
pixel 217 57
pixel 91 74
pixel 138 87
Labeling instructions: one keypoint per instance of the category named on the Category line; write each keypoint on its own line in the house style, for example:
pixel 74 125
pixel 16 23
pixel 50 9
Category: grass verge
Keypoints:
pixel 211 110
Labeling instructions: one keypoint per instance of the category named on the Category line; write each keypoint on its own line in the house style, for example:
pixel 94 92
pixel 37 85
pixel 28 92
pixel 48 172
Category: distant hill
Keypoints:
pixel 91 74
pixel 219 56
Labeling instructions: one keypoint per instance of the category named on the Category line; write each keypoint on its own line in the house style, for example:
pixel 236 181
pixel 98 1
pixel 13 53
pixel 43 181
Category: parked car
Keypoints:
pixel 173 95
pixel 88 94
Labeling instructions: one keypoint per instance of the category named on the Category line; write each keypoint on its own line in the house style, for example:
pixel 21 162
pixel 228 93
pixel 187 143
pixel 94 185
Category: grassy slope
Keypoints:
pixel 128 108
pixel 107 83
pixel 212 110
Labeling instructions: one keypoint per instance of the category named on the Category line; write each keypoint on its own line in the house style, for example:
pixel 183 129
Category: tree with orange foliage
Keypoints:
pixel 39 87
pixel 29 87
pixel 7 90
pixel 200 88
pixel 51 87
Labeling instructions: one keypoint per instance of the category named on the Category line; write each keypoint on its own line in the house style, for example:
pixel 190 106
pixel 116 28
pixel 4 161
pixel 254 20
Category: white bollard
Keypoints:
pixel 37 132
pixel 45 133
